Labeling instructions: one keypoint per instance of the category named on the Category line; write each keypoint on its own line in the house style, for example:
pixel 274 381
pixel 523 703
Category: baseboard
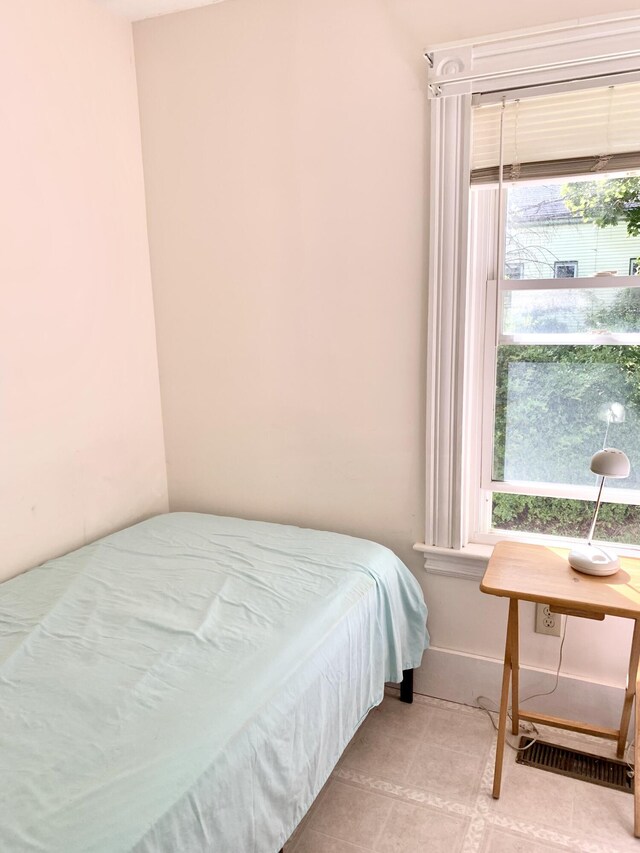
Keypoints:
pixel 461 677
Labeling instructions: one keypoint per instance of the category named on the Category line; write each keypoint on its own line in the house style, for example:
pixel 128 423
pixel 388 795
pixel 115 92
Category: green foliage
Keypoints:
pixel 606 202
pixel 548 401
pixel 563 517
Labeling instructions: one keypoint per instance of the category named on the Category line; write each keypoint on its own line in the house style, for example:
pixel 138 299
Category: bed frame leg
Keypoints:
pixel 406 686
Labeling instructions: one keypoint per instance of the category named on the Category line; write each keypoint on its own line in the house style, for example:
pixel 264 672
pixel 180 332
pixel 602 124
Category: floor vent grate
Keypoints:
pixel 578 765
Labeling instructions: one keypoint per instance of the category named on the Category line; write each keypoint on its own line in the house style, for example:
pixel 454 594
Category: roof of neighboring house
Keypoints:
pixel 539 202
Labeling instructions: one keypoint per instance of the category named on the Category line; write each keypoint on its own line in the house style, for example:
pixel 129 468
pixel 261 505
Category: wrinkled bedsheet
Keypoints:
pixel 188 684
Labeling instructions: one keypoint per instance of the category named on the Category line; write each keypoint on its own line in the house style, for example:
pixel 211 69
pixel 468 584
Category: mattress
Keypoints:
pixel 188 684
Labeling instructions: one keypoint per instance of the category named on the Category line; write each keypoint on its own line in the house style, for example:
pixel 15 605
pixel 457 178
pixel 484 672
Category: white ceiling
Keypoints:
pixel 136 10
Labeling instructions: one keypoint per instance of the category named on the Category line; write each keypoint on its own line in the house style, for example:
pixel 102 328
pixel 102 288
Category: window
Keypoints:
pixel 562 341
pixel 562 364
pixel 541 102
pixel 565 269
pixel 634 266
pixel 514 271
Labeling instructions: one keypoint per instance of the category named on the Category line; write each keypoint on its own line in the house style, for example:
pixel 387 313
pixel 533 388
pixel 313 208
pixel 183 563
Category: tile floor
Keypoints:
pixel 417 779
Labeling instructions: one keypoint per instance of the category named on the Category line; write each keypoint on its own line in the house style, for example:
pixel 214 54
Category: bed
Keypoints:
pixel 188 684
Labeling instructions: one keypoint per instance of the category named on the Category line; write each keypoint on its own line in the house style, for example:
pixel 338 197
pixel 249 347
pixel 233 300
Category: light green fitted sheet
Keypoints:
pixel 188 684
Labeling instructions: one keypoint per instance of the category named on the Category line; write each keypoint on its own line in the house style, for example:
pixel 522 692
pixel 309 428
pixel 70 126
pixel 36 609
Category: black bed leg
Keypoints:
pixel 406 686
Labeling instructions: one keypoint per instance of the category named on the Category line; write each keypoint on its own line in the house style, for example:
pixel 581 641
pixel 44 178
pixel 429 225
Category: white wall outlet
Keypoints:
pixel 546 621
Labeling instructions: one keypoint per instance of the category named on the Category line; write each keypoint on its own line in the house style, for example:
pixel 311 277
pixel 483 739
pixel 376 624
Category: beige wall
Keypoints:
pixel 80 430
pixel 285 155
pixel 284 151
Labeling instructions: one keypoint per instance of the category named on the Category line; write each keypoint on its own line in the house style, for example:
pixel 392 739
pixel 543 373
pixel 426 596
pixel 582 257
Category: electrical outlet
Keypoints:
pixel 546 621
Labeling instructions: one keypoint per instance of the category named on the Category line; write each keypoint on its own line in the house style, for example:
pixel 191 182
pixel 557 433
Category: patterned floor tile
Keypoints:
pixel 410 829
pixel 419 778
pixel 351 814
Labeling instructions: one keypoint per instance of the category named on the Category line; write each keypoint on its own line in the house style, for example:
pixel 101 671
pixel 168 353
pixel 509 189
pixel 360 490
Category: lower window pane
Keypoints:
pixel 557 405
pixel 562 517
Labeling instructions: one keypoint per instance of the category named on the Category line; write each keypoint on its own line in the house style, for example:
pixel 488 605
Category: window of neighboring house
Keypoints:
pixel 562 365
pixel 565 269
pixel 514 271
pixel 634 266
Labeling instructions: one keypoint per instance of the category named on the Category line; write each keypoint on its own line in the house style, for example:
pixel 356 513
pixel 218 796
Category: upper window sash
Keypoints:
pixel 604 282
pixel 629 339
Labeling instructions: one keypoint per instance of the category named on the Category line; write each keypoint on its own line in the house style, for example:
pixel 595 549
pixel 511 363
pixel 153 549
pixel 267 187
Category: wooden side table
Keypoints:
pixel 518 571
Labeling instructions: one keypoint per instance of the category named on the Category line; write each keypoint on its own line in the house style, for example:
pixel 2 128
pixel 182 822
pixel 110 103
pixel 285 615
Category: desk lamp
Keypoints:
pixel 589 558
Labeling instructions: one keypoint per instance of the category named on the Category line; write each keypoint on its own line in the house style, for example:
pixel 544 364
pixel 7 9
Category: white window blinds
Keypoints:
pixel 557 135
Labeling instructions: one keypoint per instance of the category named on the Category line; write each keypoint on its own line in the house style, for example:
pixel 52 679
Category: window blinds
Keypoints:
pixel 559 135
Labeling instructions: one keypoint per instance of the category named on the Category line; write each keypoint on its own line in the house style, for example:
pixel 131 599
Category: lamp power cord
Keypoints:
pixel 530 728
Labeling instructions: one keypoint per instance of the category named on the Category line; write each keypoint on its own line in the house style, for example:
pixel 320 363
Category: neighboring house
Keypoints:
pixel 545 240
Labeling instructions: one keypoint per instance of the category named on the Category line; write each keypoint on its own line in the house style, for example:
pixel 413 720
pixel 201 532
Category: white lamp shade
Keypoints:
pixel 610 463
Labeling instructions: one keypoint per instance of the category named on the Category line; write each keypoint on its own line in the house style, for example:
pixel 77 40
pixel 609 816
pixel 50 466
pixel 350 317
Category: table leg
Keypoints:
pixel 504 698
pixel 636 759
pixel 631 689
pixel 515 668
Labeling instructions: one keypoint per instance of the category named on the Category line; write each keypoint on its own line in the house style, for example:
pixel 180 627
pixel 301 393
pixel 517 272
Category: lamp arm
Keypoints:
pixel 595 514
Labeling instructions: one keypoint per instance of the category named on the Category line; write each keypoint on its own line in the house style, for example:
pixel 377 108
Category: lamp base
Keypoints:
pixel 592 560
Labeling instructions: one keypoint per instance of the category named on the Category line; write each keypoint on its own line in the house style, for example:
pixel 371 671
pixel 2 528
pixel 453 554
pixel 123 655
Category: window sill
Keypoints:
pixel 468 563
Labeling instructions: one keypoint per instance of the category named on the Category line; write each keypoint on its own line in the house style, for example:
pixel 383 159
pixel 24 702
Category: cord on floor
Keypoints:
pixel 530 729
pixel 527 730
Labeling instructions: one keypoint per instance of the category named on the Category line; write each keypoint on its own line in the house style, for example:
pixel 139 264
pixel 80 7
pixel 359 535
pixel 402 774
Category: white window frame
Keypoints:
pixel 562 56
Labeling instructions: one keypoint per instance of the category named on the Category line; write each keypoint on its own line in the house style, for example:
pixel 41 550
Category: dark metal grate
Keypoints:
pixel 578 765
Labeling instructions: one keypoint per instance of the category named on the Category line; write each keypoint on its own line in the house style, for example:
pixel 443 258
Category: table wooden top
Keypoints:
pixel 541 573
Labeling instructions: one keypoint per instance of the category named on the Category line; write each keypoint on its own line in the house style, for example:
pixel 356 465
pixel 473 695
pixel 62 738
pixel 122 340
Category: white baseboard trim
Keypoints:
pixel 461 677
